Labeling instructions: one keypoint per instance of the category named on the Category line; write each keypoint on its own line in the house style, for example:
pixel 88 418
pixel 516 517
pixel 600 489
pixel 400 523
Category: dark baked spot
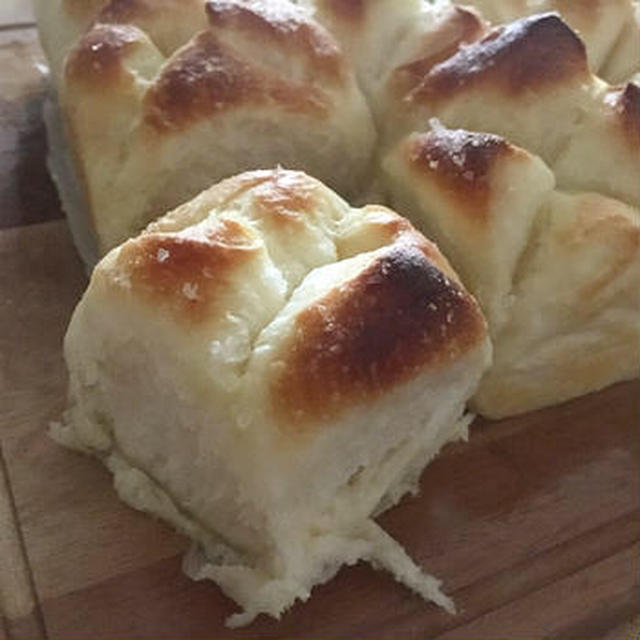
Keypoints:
pixel 125 11
pixel 206 78
pixel 200 80
pixel 185 274
pixel 461 163
pixel 398 317
pixel 521 57
pixel 97 57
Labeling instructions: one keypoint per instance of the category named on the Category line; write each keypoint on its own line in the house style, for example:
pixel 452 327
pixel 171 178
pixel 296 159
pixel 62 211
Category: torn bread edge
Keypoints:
pixel 210 557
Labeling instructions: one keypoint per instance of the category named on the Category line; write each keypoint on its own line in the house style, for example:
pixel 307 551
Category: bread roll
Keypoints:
pixel 261 85
pixel 265 368
pixel 557 274
pixel 574 324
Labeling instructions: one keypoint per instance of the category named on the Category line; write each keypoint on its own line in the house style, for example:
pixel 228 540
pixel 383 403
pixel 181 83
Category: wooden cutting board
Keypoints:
pixel 534 525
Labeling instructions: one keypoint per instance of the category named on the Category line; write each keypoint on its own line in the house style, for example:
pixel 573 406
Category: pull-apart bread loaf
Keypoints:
pixel 266 368
pixel 540 216
pixel 161 98
pixel 155 114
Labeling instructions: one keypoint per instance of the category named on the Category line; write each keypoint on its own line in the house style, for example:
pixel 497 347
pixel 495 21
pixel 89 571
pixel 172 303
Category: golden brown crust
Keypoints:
pixel 399 316
pixel 205 78
pixel 82 9
pixel 286 198
pixel 283 24
pixel 183 274
pixel 97 57
pixel 460 26
pixel 520 58
pixel 605 222
pixel 202 79
pixel 461 163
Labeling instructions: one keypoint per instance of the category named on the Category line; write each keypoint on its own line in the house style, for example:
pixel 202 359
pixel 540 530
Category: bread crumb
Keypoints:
pixel 190 291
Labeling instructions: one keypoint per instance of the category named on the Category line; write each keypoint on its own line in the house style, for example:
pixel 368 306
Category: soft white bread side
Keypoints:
pixel 574 326
pixel 380 35
pixel 262 85
pixel 623 63
pixel 169 23
pixel 603 154
pixel 266 367
pixel 369 31
pixel 609 28
pixel 557 274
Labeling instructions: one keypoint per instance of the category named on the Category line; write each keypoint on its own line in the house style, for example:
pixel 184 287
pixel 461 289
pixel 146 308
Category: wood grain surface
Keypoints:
pixel 534 524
